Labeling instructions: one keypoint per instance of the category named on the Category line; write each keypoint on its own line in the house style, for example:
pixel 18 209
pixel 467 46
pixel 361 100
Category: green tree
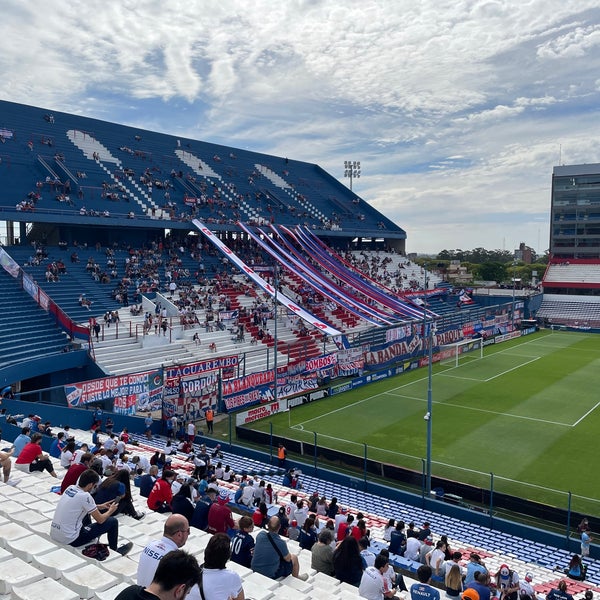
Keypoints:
pixel 492 271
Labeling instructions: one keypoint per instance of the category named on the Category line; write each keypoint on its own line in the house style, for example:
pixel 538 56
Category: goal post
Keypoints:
pixel 460 352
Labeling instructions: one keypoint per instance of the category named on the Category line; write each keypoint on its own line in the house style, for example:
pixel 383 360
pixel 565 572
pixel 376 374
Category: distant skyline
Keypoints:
pixel 457 111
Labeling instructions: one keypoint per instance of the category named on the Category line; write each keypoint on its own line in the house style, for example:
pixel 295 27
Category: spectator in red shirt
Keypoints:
pixel 161 494
pixel 75 470
pixel 32 459
pixel 220 519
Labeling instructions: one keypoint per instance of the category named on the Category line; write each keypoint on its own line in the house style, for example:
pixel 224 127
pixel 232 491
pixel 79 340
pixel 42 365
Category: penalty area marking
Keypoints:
pixel 495 412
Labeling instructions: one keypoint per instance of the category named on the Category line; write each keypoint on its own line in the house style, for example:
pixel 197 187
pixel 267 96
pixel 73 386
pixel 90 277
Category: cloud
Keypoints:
pixel 457 111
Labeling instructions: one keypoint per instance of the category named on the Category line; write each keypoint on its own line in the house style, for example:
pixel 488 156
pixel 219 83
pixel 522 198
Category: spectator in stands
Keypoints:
pixel 333 508
pixel 147 481
pixel 217 581
pixel 21 441
pixel 271 555
pixel 345 528
pixel 422 590
pixel 395 580
pixel 453 582
pixel 308 534
pixel 373 584
pixel 220 518
pixel 507 583
pixel 200 517
pixel 413 549
pixel 57 445
pixel 387 530
pixel 6 464
pixel 475 564
pixel 117 488
pixel 397 539
pixel 435 559
pixel 347 562
pixel 161 495
pixel 242 543
pixel 425 532
pixel 576 569
pixel 526 591
pixel 72 522
pixel 75 470
pixel 481 584
pixel 366 555
pixel 586 540
pixel 32 459
pixel 67 454
pixel 183 503
pixel 322 553
pixel 176 574
pixel 559 593
pixel 176 531
pixel 260 515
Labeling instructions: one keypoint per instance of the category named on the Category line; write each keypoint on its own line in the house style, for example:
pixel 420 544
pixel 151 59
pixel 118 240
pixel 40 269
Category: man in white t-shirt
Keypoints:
pixel 176 531
pixel 373 585
pixel 72 523
pixel 413 546
pixel 191 432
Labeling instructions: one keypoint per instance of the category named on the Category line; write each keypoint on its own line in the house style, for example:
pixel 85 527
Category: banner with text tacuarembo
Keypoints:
pixel 191 388
pixel 131 393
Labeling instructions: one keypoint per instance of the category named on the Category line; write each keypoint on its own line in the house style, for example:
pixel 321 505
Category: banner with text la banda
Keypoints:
pixel 260 390
pixel 131 393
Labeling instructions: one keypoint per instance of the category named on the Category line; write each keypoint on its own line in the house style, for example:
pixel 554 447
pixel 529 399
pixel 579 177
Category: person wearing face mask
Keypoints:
pixel 162 494
pixel 78 521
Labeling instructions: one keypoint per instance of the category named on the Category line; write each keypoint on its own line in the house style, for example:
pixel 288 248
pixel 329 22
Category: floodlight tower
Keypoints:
pixel 352 170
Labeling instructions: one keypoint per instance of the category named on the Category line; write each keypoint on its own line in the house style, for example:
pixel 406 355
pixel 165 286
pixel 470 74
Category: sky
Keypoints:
pixel 457 111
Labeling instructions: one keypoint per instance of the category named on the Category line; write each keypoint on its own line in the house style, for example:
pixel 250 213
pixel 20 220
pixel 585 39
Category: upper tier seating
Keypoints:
pixel 75 163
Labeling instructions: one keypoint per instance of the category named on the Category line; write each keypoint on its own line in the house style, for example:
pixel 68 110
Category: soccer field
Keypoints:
pixel 528 411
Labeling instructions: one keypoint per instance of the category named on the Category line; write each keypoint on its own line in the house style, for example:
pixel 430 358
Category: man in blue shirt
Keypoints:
pixel 21 440
pixel 57 445
pixel 422 590
pixel 271 555
pixel 473 566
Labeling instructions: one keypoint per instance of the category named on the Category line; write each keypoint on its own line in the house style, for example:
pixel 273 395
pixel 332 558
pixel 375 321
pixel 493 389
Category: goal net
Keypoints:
pixel 461 352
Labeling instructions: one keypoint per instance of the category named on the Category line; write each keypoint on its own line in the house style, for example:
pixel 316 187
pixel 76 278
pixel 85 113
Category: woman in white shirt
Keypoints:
pixel 219 583
pixel 66 456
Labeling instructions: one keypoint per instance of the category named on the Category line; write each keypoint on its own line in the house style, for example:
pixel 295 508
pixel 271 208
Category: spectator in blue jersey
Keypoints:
pixel 242 543
pixel 21 441
pixel 559 593
pixel 397 539
pixel 147 481
pixel 200 516
pixel 422 590
pixel 58 445
pixel 481 584
pixel 475 564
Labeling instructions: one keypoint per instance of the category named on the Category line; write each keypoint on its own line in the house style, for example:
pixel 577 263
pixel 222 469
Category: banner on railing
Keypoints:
pixel 9 265
pixel 131 393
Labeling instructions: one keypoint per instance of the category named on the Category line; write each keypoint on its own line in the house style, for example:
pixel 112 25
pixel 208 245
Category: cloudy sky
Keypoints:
pixel 457 110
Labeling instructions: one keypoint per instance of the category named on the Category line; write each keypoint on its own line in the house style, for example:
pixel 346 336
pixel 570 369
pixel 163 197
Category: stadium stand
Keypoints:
pixel 90 196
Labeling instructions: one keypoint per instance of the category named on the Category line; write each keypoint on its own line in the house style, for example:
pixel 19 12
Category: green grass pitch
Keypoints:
pixel 528 411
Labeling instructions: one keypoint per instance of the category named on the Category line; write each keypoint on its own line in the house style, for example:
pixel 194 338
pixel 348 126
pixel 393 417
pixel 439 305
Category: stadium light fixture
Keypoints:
pixel 352 170
pixel 428 327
